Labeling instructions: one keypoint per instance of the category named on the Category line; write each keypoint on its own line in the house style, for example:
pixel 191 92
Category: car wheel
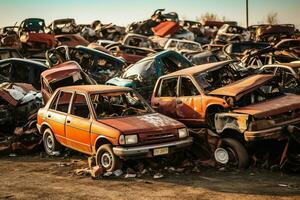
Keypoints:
pixel 106 158
pixel 232 153
pixel 51 145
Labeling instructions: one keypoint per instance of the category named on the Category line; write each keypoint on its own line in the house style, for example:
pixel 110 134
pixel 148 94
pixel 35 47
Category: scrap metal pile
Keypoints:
pixel 236 89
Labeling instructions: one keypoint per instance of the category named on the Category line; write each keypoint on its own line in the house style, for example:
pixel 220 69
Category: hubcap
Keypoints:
pixel 49 142
pixel 106 160
pixel 221 156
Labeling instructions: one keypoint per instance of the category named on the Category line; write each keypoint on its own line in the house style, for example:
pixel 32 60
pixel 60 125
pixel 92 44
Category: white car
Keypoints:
pixel 179 45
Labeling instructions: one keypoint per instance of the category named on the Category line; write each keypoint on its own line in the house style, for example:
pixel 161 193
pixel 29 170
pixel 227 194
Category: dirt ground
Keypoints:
pixel 34 177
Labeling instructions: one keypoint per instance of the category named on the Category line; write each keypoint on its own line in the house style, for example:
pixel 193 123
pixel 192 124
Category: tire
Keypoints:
pixel 106 158
pixel 51 145
pixel 237 155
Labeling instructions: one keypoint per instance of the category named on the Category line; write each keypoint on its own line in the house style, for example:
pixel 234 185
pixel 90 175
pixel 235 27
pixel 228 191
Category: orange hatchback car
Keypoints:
pixel 109 122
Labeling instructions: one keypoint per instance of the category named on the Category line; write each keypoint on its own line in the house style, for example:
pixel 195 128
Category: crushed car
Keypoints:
pixel 33 37
pixel 130 54
pixel 101 121
pixel 99 65
pixel 287 75
pixel 63 26
pixel 19 103
pixel 65 74
pixel 18 70
pixel 236 110
pixel 143 74
pixel 229 33
pixel 182 45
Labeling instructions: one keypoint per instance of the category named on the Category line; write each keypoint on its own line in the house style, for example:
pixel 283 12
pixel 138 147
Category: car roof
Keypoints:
pixel 89 89
pixel 199 68
pixel 23 60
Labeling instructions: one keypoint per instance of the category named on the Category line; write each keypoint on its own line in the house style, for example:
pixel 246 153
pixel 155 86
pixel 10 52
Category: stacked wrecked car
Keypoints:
pixel 152 89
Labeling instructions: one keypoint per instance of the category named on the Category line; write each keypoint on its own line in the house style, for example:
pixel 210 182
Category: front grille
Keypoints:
pixel 148 138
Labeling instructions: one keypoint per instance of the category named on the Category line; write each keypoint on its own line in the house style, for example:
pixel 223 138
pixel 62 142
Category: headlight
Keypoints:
pixel 128 139
pixel 182 133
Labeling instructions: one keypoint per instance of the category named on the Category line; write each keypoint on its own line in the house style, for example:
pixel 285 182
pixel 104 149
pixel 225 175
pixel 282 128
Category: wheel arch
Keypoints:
pixel 99 142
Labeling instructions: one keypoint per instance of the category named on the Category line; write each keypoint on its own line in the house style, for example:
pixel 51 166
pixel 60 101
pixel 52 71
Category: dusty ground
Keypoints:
pixel 33 177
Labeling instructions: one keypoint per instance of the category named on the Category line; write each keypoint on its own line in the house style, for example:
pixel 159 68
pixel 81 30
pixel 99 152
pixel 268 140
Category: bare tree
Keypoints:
pixel 272 18
pixel 208 17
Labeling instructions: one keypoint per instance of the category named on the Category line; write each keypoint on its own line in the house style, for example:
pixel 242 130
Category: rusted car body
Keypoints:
pixel 102 121
pixel 182 45
pixel 240 110
pixel 228 33
pixel 291 46
pixel 19 103
pixel 130 54
pixel 63 26
pixel 166 28
pixel 21 71
pixel 274 33
pixel 183 95
pixel 143 74
pixel 145 27
pixel 255 59
pixel 287 74
pixel 65 74
pixel 33 37
pixel 97 64
pixel 137 40
pixel 71 40
pixel 237 50
pixel 9 37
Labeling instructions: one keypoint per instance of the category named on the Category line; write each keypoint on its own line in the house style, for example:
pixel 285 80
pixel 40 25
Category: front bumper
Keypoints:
pixel 147 150
pixel 281 130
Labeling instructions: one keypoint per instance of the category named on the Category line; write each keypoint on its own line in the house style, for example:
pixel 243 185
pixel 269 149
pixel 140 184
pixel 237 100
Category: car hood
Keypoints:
pixel 276 106
pixel 242 87
pixel 143 123
pixel 121 82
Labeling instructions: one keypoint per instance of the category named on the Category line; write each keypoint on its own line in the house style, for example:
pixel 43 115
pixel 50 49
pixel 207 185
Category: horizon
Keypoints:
pixel 124 12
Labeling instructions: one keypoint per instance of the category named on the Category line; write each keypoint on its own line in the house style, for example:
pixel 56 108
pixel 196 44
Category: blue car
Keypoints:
pixel 142 75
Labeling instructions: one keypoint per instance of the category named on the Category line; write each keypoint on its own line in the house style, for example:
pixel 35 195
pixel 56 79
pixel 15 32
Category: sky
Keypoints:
pixel 123 12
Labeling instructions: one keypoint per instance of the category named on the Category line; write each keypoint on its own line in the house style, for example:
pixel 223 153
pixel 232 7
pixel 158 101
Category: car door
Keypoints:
pixel 188 102
pixel 57 114
pixel 164 100
pixel 78 124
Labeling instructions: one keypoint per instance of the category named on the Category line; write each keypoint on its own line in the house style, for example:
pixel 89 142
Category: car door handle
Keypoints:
pixel 68 121
pixel 49 116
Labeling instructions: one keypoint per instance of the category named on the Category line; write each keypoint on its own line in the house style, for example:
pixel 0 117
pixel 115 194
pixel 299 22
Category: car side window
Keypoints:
pixel 63 102
pixel 188 88
pixel 168 88
pixel 80 107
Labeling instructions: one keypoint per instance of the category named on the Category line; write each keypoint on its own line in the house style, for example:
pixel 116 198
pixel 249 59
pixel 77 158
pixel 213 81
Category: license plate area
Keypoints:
pixel 160 151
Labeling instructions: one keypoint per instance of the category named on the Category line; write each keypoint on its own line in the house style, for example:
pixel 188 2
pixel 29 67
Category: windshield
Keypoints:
pixel 119 104
pixel 138 69
pixel 214 79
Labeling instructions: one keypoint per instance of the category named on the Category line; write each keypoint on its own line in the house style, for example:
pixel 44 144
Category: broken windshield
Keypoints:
pixel 211 80
pixel 138 69
pixel 119 104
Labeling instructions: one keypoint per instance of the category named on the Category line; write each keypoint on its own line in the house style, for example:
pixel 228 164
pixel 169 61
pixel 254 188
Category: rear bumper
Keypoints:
pixel 147 150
